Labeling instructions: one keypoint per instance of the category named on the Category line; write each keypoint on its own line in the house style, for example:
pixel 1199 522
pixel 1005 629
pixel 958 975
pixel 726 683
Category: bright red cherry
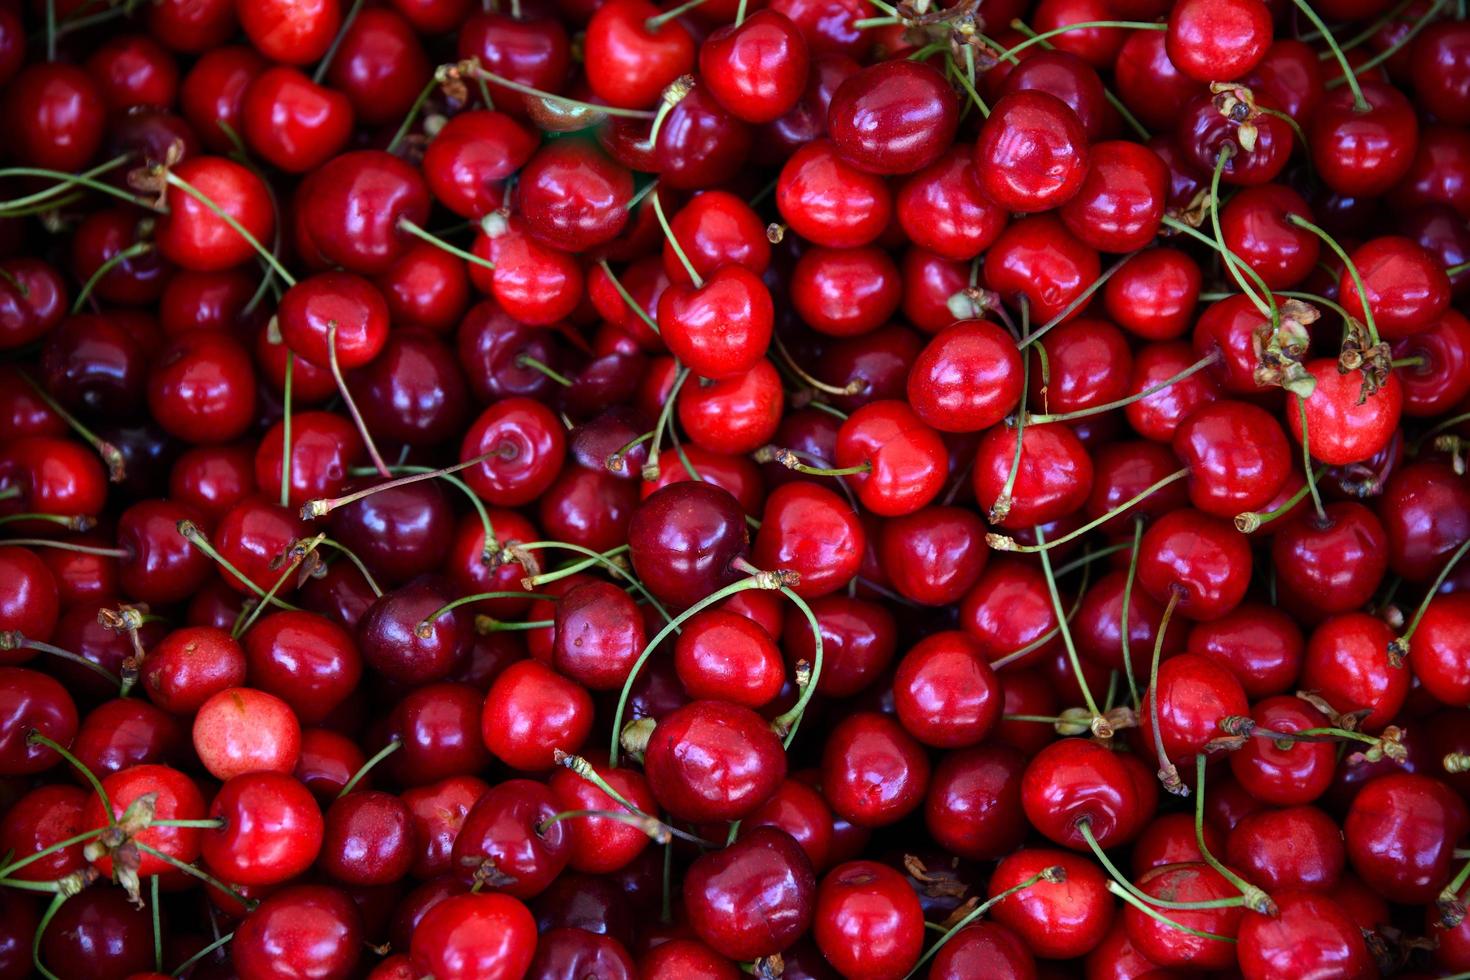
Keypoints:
pixel 868 921
pixel 1342 425
pixel 894 117
pixel 1032 153
pixel 756 69
pixel 1218 40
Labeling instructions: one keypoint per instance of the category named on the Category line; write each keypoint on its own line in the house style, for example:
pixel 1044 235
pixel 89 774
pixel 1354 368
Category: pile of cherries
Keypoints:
pixel 791 488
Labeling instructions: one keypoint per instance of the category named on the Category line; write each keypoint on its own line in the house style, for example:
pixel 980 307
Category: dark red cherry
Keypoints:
pixel 753 898
pixel 356 204
pixel 1363 153
pixel 32 701
pixel 56 112
pixel 1073 782
pixel 1294 847
pixel 973 807
pixel 874 772
pixel 1400 831
pixel 380 66
pixel 894 117
pixel 710 760
pixel 573 196
pixel 1120 203
pixel 934 555
pixel 97 933
pixel 1261 645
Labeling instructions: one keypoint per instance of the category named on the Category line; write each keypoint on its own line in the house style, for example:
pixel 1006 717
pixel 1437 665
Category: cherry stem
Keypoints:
pixel 190 532
pixel 485 625
pixel 174 180
pixel 1002 505
pixel 1401 645
pixel 1084 827
pixel 1255 898
pixel 11 492
pixel 1027 339
pixel 1394 48
pixel 81 549
pixel 157 925
pixel 789 459
pixel 491 546
pixel 1085 564
pixel 1348 263
pixel 423 629
pixel 853 387
pixel 435 80
pixel 1267 307
pixel 787 722
pixel 73 522
pixel 295 555
pixel 968 83
pixel 30 859
pixel 603 558
pixel 740 13
pixel 1360 104
pixel 665 414
pixel 658 210
pixel 1116 102
pixel 1148 392
pixel 286 443
pixel 616 462
pixel 652 24
pixel 36 738
pixel 1409 362
pixel 1235 264
pixel 406 224
pixel 322 506
pixel 13 640
pixel 1455 270
pixel 584 769
pixel 1001 542
pixel 514 86
pixel 326 62
pixel 183 968
pixel 765 580
pixel 1100 727
pixel 1123 618
pixel 1251 521
pixel 368 766
pixel 1052 874
pixel 66 181
pixel 205 823
pixel 111 455
pixel 660 832
pixel 1168 772
pixel 196 872
pixel 1082 25
pixel 541 367
pixel 627 296
pixel 131 252
pixel 1155 914
pixel 1307 461
pixel 61 897
pixel 598 558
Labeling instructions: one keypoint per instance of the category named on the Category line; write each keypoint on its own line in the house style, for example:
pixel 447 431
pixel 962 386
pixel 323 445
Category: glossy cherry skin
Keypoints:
pixel 1406 287
pixel 858 639
pixel 530 712
pixel 935 555
pixel 45 816
pixel 334 309
pixel 798 810
pixel 1261 645
pixel 711 760
pixel 1435 649
pixel 1040 261
pixel 1218 40
pixel 202 388
pixel 1347 664
pixel 1194 695
pixel 714 229
pixel 293 122
pixel 874 772
pixel 598 845
pixel 1168 946
pixel 1120 203
pixel 1363 154
pixel 380 66
pixel 1284 773
pixel 307 660
pixel 312 929
pixel 1334 564
pixel 292 33
pixel 967 378
pixel 756 69
pixel 1206 561
pixel 599 634
pixel 812 531
pixel 943 209
pixel 1294 847
pixel 353 205
pixel 466 163
pixel 573 196
pixel 528 442
pixel 631 64
pixel 485 936
pixel 683 538
pixel 1057 920
pixel 1426 512
pixel 97 933
pixel 1053 480
pixel 1236 454
pixel 1153 295
pixel 868 921
pixel 907 461
pixel 1074 781
pixel 272 829
pixel 720 329
pixel 191 235
pixel 191 665
pixel 1255 227
pixel 727 656
pixel 1310 933
pixel 973 806
pixel 1400 832
pixel 56 112
pixel 32 701
pixel 506 835
pixel 1032 154
pixel 894 117
pixel 945 693
pixel 241 730
pixel 829 201
pixel 754 897
pixel 1202 135
pixel 29 601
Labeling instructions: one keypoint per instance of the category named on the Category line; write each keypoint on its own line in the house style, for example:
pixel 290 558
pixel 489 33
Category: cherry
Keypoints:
pixel 313 929
pixel 43 817
pixel 1426 513
pixel 1202 135
pixel 1120 203
pixel 1039 261
pixel 714 229
pixel 810 530
pixel 97 933
pixel 426 288
pixel 1168 945
pixel 798 811
pixel 686 957
pixel 754 898
pixel 1363 153
pixel 683 540
pixel 1294 847
pixel 475 935
pixel 1255 226
pixel 1347 664
pixel 720 327
pixel 1056 919
pixel 254 537
pixel 160 565
pixel 526 442
pixel 902 462
pixel 1053 479
pixel 1198 562
pixel 632 53
pixel 756 69
pixel 1332 563
pixel 56 111
pixel 1170 839
pixel 934 555
pixel 895 117
pixel 858 640
pixel 32 701
pixel 1032 154
pixel 967 379
pixel 711 760
pixel 1309 932
pixel 868 921
pixel 1149 83
pixel 573 196
pixel 1400 831
pixel 292 33
pixel 193 235
pixel 191 665
pixel 271 829
pixel 726 656
pixel 945 693
pixel 379 65
pixel 134 277
pixel 293 122
pixel 531 712
pixel 1438 58
pixel 829 201
pixel 845 292
pixel 1261 646
pixel 33 300
pixel 242 730
pixel 1192 696
pixel 1406 288
pixel 1073 782
pixel 508 836
pixel 29 601
pixel 1236 454
pixel 356 207
pixel 369 839
pixel 405 637
pixel 175 797
pixel 1218 40
pixel 874 771
pixel 1434 646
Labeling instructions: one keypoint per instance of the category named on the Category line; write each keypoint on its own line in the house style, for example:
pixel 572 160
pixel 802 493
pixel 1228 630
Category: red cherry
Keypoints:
pixel 573 196
pixel 1074 782
pixel 868 921
pixel 598 845
pixel 894 117
pixel 1236 454
pixel 355 206
pixel 756 69
pixel 727 656
pixel 934 555
pixel 1170 947
pixel 1400 833
pixel 531 712
pixel 711 760
pixel 1407 289
pixel 1363 153
pixel 191 665
pixel 829 201
pixel 478 936
pixel 1347 664
pixel 293 122
pixel 1260 644
pixel 1255 225
pixel 1294 847
pixel 175 798
pixel 812 531
pixel 312 929
pixel 1218 40
pixel 967 379
pixel 379 65
pixel 1053 479
pixel 1193 696
pixel 874 772
pixel 1032 154
pixel 754 897
pixel 631 57
pixel 43 817
pixel 1120 203
pixel 1057 920
pixel 1308 933
pixel 1039 261
pixel 242 730
pixel 719 329
pixel 294 33
pixel 1342 426
pixel 56 112
pixel 193 236
pixel 271 829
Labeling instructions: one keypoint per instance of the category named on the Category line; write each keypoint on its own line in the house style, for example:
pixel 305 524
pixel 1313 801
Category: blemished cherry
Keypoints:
pixel 1169 946
pixel 874 772
pixel 1032 154
pixel 242 730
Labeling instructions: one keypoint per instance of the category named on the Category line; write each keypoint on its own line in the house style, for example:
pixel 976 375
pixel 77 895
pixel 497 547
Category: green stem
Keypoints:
pixel 1348 264
pixel 545 578
pixel 297 554
pixel 1155 914
pixel 1429 596
pixel 286 443
pixel 1085 828
pixel 404 224
pixel 665 415
pixel 1253 896
pixel 627 297
pixel 36 738
pixel 515 86
pixel 1265 305
pixel 68 181
pixel 1027 339
pixel 1265 310
pixel 188 964
pixel 30 859
pixel 196 872
pixel 1251 521
pixel 1360 104
pixel 61 897
pixel 1123 620
pixel 1134 25
pixel 157 925
pixel 974 914
pixel 789 721
pixel 601 559
pixel 368 766
pixel 413 113
pixel 1001 542
pixel 1307 460
pixel 1056 605
pixel 653 24
pixel 658 210
pixel 55 651
pixel 541 367
pixel 1168 772
pixel 111 455
pixel 326 62
pixel 174 180
pixel 131 252
pixel 190 532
